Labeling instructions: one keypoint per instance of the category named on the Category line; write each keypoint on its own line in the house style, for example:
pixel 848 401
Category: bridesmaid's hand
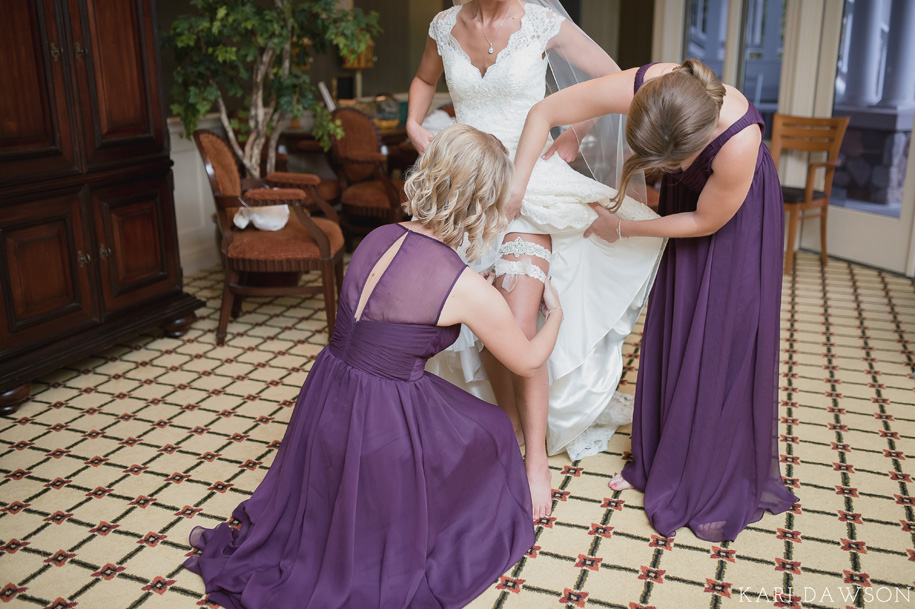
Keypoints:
pixel 566 145
pixel 605 226
pixel 550 298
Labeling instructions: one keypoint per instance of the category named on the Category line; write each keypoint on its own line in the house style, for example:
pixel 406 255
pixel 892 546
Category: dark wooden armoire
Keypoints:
pixel 88 242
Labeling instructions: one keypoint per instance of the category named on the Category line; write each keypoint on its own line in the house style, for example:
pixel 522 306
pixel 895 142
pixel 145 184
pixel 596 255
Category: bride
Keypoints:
pixel 495 54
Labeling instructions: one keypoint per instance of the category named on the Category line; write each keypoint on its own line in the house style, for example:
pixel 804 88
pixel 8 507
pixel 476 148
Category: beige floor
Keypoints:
pixel 112 462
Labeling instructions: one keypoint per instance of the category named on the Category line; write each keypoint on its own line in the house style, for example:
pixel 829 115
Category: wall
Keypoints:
pixel 600 19
pixel 399 49
pixel 667 30
pixel 194 206
pixel 635 19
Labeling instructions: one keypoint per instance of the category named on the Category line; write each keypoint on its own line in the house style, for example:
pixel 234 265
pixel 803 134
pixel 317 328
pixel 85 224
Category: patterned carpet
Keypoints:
pixel 112 462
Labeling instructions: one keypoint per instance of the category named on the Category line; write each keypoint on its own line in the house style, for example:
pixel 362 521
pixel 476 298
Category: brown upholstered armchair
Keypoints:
pixel 304 244
pixel 369 198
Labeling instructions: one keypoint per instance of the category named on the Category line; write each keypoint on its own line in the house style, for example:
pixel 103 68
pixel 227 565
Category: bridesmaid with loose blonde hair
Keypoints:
pixel 393 488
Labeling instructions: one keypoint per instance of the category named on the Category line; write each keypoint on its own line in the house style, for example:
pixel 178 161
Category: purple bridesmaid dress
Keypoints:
pixel 392 488
pixel 704 431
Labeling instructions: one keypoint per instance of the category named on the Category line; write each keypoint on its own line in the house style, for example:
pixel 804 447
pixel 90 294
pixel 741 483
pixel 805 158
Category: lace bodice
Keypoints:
pixel 498 101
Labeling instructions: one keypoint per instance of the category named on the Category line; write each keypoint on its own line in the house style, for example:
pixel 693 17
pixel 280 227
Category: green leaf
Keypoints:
pixel 216 45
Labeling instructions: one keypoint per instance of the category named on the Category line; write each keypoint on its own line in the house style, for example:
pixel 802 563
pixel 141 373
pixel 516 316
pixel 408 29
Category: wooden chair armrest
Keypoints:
pixel 225 228
pixel 226 202
pixel 323 205
pixel 282 179
pixel 272 196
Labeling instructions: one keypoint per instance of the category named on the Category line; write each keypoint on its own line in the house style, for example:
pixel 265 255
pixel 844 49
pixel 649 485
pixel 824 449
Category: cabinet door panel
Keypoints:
pixel 137 257
pixel 36 133
pixel 45 271
pixel 115 54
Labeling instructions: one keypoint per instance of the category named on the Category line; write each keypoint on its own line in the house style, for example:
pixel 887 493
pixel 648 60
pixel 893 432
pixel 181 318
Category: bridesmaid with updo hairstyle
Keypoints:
pixel 704 430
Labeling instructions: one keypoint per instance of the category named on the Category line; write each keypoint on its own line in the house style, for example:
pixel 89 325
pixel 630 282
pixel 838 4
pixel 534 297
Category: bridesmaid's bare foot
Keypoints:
pixel 618 483
pixel 540 479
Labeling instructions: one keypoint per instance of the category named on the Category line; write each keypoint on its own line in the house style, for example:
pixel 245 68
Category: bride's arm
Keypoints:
pixel 590 99
pixel 422 90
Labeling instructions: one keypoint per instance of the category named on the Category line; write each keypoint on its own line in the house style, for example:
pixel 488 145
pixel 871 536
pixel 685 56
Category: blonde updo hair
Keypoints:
pixel 460 185
pixel 671 118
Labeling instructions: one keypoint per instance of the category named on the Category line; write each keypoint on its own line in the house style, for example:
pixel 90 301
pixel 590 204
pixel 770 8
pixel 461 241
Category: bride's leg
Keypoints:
pixel 501 380
pixel 522 287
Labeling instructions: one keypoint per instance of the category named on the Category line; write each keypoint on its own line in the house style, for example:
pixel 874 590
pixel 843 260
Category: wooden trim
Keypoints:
pixel 733 42
pixel 667 31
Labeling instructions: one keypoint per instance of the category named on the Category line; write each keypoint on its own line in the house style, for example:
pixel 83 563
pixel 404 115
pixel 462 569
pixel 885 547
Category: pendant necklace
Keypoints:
pixel 483 27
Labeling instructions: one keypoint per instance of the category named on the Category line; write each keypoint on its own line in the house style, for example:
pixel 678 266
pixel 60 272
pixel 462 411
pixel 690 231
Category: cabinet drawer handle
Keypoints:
pixel 55 53
pixel 84 259
pixel 80 51
pixel 104 251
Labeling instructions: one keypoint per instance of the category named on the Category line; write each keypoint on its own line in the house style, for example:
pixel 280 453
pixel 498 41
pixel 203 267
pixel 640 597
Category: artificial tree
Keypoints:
pixel 245 52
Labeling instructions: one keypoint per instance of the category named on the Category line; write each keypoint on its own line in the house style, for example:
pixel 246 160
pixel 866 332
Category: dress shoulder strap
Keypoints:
pixel 640 77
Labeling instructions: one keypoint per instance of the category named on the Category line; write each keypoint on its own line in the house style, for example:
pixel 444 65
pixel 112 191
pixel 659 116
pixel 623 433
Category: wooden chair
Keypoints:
pixel 369 198
pixel 810 135
pixel 304 244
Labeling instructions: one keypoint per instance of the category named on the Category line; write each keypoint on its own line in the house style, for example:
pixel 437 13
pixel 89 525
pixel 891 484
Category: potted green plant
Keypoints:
pixel 243 53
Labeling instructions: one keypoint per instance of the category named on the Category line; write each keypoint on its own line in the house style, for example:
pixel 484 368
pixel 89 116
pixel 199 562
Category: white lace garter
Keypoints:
pixel 519 247
pixel 523 251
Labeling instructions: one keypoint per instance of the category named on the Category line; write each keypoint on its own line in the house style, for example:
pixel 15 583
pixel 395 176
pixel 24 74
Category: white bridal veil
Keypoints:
pixel 603 148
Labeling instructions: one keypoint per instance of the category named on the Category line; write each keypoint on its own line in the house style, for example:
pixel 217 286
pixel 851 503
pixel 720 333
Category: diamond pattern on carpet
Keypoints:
pixel 113 460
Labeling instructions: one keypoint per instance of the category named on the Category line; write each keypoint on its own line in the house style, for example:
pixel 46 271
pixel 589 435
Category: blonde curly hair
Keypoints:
pixel 460 185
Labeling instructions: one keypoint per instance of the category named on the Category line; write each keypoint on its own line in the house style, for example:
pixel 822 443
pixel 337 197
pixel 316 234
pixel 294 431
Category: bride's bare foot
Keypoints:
pixel 618 483
pixel 540 479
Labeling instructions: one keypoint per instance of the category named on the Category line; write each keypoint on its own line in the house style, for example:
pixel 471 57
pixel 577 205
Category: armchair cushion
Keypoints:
pixel 291 243
pixel 793 194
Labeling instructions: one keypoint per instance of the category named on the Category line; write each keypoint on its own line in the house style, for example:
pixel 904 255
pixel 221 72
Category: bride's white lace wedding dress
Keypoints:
pixel 602 286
